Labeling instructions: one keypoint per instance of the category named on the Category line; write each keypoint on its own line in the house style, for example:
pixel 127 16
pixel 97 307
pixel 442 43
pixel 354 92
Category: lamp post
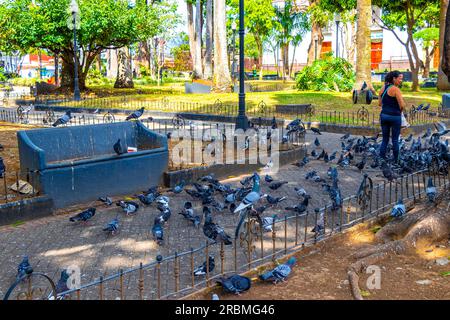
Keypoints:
pixel 75 11
pixel 316 39
pixel 242 120
pixel 337 19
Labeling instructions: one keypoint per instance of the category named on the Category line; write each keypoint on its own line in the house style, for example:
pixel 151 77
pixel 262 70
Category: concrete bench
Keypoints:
pixel 300 109
pixel 78 163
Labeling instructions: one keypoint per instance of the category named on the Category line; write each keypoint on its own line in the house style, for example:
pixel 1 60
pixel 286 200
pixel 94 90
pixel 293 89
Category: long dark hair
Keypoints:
pixel 389 78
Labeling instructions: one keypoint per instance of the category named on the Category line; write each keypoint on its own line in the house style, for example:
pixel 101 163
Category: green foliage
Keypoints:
pixel 292 24
pixel 26 82
pixel 317 14
pixel 428 36
pixel 182 57
pixel 327 74
pixel 250 47
pixel 95 77
pixel 2 74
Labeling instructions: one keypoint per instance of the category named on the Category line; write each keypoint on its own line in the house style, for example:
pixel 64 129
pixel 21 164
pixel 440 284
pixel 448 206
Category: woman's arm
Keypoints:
pixel 400 100
pixel 379 97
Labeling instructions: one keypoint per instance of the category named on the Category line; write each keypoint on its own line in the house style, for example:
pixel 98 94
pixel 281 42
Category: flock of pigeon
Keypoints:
pixel 248 201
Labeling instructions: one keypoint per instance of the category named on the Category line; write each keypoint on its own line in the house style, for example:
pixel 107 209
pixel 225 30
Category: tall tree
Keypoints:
pixel 446 47
pixel 198 68
pixel 319 18
pixel 260 20
pixel 429 39
pixel 222 78
pixel 103 24
pixel 443 81
pixel 408 15
pixel 293 24
pixel 124 77
pixel 208 40
pixel 363 43
pixel 196 73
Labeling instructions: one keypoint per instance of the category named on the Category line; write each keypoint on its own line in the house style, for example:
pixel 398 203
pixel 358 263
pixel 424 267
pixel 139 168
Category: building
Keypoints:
pixel 387 52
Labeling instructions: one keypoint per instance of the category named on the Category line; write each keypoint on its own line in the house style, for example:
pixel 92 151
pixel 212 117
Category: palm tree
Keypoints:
pixel 363 43
pixel 222 78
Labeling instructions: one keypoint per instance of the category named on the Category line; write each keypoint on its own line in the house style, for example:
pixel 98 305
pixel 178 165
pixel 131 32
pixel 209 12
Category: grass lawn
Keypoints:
pixel 145 95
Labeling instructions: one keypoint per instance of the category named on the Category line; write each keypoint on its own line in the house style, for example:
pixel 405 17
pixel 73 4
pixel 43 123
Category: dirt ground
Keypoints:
pixel 321 272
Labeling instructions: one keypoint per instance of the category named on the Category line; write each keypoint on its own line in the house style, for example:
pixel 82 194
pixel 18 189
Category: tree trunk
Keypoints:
pixel 363 44
pixel 442 82
pixel 67 72
pixel 56 69
pixel 222 79
pixel 315 30
pixel 198 70
pixel 293 59
pixel 192 38
pixel 286 60
pixel 446 46
pixel 209 32
pixel 427 64
pixel 124 73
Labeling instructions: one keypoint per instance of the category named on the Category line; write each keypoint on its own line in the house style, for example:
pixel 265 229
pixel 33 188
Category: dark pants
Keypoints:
pixel 389 123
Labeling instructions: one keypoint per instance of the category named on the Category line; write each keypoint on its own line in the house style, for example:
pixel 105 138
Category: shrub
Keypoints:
pixel 327 74
pixel 26 82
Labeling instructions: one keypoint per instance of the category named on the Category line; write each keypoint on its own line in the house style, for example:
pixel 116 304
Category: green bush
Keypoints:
pixel 327 74
pixel 26 82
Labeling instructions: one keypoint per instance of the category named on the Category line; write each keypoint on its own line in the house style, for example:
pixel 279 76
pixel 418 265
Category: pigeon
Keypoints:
pixel 61 286
pixel 280 272
pixel 201 270
pixel 365 190
pixel 119 149
pixel 84 216
pixel 399 209
pixel 128 207
pixel 345 136
pixel 313 153
pixel 409 138
pixel 427 134
pixel 112 226
pixel 267 223
pixel 147 199
pixel 179 187
pixel 301 207
pixel 275 200
pixel 441 129
pixel 234 284
pixel 24 268
pixel 136 114
pixel 252 197
pixel 332 173
pixel 188 213
pixel 277 185
pixel 274 123
pixel 106 200
pixel 360 165
pixel 317 142
pixel 213 231
pixel 157 231
pixel 300 192
pixel 426 107
pixel 310 174
pixel 388 173
pixel 165 215
pixel 431 190
pixel 268 178
pixel 63 119
pixel 2 168
pixel 315 130
pixel 364 86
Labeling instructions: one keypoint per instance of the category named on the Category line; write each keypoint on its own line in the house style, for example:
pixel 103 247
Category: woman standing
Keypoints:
pixel 392 105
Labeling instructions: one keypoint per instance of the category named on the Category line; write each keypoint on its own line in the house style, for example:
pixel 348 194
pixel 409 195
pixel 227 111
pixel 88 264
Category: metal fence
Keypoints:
pixel 172 276
pixel 361 117
pixel 16 185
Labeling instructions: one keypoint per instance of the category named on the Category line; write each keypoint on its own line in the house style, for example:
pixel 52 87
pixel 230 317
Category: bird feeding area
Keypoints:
pixel 77 164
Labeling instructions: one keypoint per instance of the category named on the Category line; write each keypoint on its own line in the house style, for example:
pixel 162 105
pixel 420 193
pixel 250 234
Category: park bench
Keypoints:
pixel 298 109
pixel 78 163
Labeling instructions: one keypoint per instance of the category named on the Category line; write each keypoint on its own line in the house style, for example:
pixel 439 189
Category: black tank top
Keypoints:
pixel 389 105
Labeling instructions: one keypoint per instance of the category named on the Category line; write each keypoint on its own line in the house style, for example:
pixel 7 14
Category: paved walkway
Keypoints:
pixel 54 243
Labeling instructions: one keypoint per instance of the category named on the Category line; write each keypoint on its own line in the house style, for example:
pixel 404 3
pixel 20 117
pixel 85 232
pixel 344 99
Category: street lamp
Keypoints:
pixel 74 10
pixel 242 120
pixel 316 39
pixel 337 19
